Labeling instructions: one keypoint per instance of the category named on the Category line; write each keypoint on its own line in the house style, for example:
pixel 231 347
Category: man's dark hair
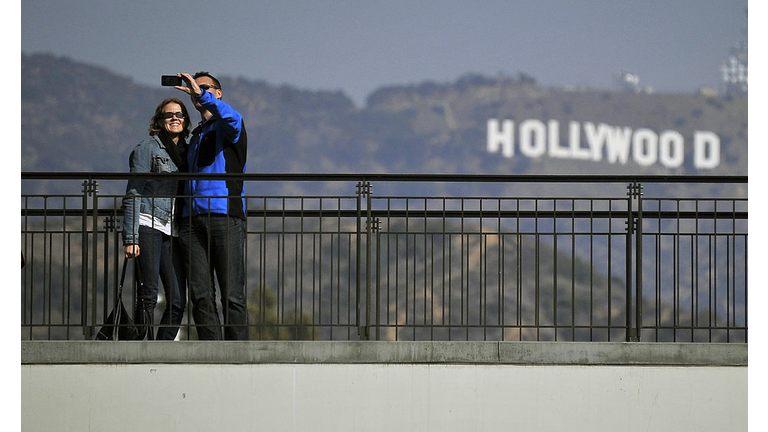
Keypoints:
pixel 207 74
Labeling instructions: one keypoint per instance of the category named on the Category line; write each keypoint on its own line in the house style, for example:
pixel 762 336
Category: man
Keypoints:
pixel 213 229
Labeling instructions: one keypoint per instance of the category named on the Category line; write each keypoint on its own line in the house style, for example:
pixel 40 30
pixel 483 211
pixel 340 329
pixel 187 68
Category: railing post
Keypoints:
pixel 639 262
pixel 634 229
pixel 368 243
pixel 84 258
pixel 95 251
pixel 110 226
pixel 363 328
pixel 373 226
pixel 90 187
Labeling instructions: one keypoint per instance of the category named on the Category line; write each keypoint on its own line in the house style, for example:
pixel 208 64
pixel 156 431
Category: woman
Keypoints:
pixel 149 228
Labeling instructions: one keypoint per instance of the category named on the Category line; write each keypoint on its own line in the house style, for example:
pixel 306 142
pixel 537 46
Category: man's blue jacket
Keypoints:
pixel 219 145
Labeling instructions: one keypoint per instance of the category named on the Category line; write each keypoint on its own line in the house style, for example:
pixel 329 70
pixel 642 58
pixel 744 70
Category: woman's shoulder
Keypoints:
pixel 148 144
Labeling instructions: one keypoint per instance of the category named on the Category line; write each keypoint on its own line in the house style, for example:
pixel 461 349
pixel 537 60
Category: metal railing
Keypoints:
pixel 359 266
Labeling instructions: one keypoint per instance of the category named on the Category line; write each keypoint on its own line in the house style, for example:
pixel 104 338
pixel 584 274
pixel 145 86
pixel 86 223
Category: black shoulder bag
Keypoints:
pixel 119 325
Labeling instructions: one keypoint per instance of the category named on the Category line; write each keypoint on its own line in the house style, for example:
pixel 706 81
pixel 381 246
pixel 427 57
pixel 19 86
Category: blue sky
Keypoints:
pixel 359 46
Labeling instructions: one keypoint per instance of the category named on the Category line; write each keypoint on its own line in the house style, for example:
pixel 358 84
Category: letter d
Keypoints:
pixel 706 150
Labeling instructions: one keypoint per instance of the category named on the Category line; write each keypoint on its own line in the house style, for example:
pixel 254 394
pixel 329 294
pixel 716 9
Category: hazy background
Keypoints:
pixel 358 46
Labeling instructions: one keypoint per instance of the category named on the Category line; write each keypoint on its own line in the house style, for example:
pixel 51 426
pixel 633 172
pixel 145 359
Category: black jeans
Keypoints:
pixel 160 255
pixel 215 245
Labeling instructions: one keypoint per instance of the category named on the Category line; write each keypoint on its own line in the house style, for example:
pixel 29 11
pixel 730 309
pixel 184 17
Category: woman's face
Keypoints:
pixel 172 124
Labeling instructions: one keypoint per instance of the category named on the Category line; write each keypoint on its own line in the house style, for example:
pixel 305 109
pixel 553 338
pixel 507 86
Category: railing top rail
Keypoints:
pixel 393 177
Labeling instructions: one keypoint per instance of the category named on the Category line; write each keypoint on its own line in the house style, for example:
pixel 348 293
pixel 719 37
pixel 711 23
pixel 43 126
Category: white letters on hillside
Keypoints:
pixel 601 142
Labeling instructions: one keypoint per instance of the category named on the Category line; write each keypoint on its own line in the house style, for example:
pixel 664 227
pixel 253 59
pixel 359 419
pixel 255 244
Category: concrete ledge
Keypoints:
pixel 355 352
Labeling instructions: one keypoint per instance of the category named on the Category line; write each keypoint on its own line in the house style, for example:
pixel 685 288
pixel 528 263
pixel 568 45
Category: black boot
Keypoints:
pixel 150 329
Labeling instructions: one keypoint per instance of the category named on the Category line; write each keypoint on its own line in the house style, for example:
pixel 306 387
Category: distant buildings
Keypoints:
pixel 631 83
pixel 734 69
pixel 735 76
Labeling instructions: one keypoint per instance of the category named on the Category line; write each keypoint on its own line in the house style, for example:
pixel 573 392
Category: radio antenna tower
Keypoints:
pixel 735 69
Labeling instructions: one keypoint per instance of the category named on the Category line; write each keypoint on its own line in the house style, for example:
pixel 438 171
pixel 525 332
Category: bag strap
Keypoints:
pixel 119 296
pixel 149 333
pixel 138 269
pixel 122 278
pixel 117 311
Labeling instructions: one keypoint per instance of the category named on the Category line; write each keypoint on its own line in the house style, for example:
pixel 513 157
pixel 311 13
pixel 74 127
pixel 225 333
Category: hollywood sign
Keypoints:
pixel 612 144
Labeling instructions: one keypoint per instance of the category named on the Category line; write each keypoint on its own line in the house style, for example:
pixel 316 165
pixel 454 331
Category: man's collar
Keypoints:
pixel 200 125
pixel 205 120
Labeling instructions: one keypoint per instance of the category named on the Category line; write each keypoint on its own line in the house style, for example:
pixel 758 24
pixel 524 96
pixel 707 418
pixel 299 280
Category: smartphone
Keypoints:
pixel 170 80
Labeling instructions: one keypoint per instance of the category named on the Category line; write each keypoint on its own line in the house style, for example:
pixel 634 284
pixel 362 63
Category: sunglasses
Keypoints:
pixel 179 115
pixel 207 87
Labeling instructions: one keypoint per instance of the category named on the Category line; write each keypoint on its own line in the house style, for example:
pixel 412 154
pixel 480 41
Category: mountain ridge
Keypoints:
pixel 77 117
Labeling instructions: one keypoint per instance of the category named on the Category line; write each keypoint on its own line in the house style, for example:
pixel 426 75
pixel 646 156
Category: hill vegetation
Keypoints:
pixel 77 117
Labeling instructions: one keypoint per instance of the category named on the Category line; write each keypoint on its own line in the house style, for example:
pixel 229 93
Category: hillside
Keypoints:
pixel 77 117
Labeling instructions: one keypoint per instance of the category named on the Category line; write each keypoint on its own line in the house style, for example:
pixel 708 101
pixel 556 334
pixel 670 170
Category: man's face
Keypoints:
pixel 204 82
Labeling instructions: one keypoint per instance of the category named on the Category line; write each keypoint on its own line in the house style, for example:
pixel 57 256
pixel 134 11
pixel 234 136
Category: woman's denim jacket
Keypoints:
pixel 155 196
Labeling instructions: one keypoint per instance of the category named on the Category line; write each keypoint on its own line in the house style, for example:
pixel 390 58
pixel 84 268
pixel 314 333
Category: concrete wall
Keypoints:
pixel 382 386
